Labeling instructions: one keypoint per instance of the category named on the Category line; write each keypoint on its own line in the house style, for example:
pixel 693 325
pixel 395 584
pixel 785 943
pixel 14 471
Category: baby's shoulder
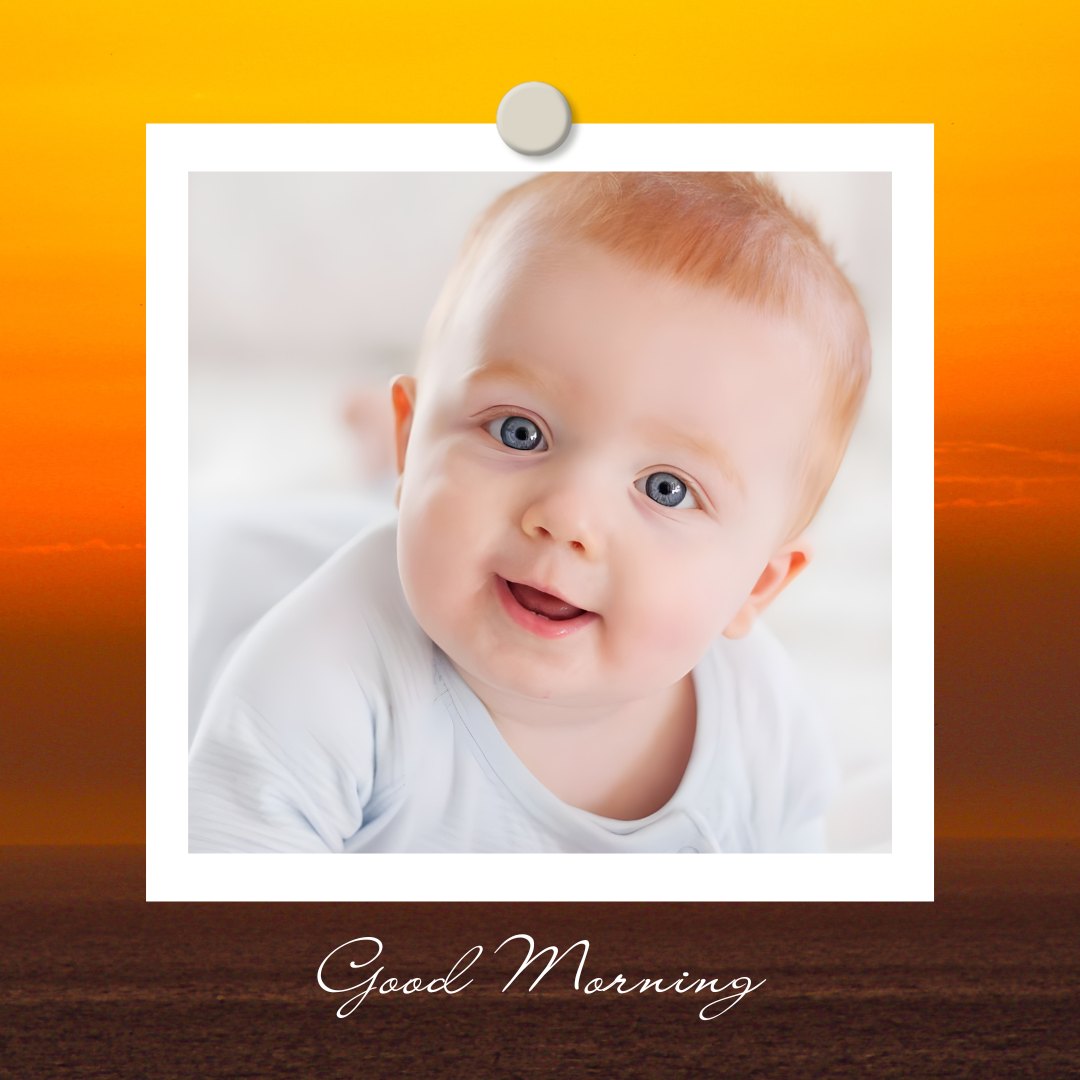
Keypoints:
pixel 756 693
pixel 313 718
pixel 768 727
pixel 756 665
pixel 346 631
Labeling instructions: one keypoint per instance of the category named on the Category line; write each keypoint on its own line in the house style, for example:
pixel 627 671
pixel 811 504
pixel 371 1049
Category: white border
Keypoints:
pixel 172 151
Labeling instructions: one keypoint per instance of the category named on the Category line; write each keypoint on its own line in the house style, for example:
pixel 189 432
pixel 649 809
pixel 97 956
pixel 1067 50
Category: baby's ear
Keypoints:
pixel 781 570
pixel 403 399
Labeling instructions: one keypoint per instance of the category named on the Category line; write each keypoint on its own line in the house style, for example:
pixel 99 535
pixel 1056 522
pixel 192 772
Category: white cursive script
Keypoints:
pixel 443 984
pixel 370 949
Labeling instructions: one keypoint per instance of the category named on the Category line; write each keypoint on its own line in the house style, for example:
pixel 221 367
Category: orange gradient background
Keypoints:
pixel 81 81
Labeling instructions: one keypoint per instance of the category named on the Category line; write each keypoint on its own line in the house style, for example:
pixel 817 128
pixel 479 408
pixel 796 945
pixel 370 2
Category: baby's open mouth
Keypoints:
pixel 542 603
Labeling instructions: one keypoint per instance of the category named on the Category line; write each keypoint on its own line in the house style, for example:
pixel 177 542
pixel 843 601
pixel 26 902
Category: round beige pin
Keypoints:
pixel 533 118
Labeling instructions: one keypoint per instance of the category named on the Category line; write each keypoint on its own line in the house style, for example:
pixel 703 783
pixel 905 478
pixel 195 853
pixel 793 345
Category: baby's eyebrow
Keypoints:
pixel 698 446
pixel 502 370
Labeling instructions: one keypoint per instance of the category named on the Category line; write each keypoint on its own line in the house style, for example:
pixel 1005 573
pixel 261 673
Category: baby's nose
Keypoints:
pixel 568 514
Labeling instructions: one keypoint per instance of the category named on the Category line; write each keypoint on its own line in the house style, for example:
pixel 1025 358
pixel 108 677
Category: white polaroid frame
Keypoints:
pixel 172 873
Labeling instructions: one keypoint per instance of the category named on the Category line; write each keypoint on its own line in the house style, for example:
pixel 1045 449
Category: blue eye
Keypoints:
pixel 667 489
pixel 517 432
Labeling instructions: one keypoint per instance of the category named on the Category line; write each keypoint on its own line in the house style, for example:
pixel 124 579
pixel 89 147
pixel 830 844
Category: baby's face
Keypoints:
pixel 600 466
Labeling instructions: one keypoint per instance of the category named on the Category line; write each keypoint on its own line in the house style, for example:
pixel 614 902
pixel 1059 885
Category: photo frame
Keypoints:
pixel 904 152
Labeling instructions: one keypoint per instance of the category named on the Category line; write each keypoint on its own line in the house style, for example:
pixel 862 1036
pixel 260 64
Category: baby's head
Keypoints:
pixel 632 397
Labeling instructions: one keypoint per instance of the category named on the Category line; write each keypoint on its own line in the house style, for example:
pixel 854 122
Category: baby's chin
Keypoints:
pixel 507 679
pixel 546 698
pixel 525 681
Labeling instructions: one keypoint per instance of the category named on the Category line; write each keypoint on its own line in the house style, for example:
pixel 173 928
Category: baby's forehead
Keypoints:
pixel 508 276
pixel 595 323
pixel 532 302
pixel 582 290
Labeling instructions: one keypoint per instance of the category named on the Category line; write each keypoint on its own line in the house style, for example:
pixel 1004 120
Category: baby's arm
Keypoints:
pixel 266 785
pixel 283 757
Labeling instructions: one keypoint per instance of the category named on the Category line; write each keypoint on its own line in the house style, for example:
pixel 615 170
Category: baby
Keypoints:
pixel 632 397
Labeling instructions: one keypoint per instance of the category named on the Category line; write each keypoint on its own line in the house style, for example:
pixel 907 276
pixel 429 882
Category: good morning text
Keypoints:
pixel 361 954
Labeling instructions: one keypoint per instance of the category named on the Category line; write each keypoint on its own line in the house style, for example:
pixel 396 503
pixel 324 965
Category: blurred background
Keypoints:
pixel 309 291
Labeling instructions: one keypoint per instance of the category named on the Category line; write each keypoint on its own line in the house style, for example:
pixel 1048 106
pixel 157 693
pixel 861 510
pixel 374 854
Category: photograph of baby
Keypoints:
pixel 539 512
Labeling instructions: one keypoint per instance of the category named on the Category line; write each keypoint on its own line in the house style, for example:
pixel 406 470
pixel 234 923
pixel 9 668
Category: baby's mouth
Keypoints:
pixel 542 603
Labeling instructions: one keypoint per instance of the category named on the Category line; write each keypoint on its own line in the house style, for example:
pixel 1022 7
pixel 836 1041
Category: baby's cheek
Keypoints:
pixel 433 503
pixel 427 542
pixel 446 522
pixel 677 621
pixel 447 485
